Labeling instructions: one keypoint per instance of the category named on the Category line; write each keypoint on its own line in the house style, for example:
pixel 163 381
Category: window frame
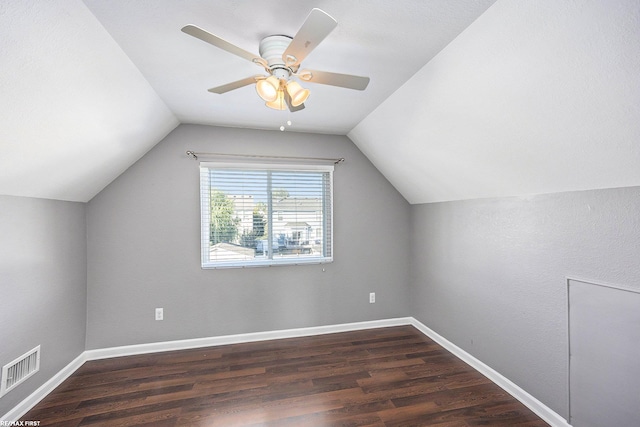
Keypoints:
pixel 205 221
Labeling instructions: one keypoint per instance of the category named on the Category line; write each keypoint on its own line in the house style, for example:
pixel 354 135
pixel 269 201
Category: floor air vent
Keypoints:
pixel 19 370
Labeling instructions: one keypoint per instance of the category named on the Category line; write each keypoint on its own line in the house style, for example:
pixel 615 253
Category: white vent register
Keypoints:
pixel 17 371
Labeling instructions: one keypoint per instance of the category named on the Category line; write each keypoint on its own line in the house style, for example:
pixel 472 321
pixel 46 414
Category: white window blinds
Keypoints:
pixel 265 214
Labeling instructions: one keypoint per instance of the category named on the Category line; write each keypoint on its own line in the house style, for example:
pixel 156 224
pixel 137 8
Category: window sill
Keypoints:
pixel 267 263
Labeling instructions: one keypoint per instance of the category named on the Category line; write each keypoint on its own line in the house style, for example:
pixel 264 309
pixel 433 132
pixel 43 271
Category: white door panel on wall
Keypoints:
pixel 604 345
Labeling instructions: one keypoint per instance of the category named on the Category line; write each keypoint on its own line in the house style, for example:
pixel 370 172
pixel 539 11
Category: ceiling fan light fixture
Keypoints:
pixel 278 103
pixel 268 88
pixel 298 94
pixel 281 57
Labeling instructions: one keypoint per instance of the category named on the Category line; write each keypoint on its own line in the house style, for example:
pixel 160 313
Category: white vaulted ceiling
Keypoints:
pixel 75 111
pixel 89 87
pixel 534 97
pixel 467 98
pixel 387 41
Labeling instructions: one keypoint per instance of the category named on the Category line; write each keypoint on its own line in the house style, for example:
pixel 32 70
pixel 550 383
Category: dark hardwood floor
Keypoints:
pixel 378 377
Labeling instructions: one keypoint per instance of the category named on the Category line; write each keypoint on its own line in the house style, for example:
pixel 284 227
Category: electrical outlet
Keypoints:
pixel 372 297
pixel 159 313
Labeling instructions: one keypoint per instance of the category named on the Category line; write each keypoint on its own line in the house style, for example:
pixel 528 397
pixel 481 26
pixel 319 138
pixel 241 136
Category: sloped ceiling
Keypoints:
pixel 89 87
pixel 386 41
pixel 75 111
pixel 533 97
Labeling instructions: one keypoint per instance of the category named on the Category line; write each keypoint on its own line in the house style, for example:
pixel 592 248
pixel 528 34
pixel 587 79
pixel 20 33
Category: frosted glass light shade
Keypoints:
pixel 268 88
pixel 278 103
pixel 298 93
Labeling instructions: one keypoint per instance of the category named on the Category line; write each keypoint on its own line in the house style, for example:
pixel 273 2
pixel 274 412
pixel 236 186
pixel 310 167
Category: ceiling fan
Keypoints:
pixel 280 56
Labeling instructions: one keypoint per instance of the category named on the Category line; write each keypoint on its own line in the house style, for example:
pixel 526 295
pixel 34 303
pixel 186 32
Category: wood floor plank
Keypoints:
pixel 371 378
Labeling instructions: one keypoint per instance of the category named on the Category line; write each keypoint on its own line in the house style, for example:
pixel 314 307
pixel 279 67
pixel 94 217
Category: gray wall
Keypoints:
pixel 490 275
pixel 144 248
pixel 43 285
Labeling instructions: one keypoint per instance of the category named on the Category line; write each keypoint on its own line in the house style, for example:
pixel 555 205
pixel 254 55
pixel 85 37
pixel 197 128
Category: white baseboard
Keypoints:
pixel 531 402
pixel 539 408
pixel 42 391
pixel 130 350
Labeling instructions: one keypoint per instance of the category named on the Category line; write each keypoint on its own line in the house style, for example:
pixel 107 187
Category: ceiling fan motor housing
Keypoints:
pixel 271 48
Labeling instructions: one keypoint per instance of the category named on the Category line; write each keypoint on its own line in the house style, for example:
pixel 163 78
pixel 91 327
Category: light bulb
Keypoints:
pixel 282 128
pixel 288 122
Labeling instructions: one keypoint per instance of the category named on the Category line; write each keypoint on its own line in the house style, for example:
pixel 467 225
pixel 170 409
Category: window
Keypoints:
pixel 265 214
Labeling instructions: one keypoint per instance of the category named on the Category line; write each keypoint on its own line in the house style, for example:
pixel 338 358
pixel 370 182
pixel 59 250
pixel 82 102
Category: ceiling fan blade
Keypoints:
pixel 317 26
pixel 206 36
pixel 235 85
pixel 348 81
pixel 287 99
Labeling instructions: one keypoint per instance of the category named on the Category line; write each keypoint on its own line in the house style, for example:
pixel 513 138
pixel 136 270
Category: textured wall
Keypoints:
pixel 490 275
pixel 144 248
pixel 43 286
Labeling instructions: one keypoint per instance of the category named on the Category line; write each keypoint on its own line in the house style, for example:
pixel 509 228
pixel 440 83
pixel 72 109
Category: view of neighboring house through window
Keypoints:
pixel 269 214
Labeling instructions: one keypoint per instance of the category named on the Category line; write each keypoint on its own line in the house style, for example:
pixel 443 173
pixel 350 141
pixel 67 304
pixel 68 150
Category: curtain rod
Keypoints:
pixel 195 156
